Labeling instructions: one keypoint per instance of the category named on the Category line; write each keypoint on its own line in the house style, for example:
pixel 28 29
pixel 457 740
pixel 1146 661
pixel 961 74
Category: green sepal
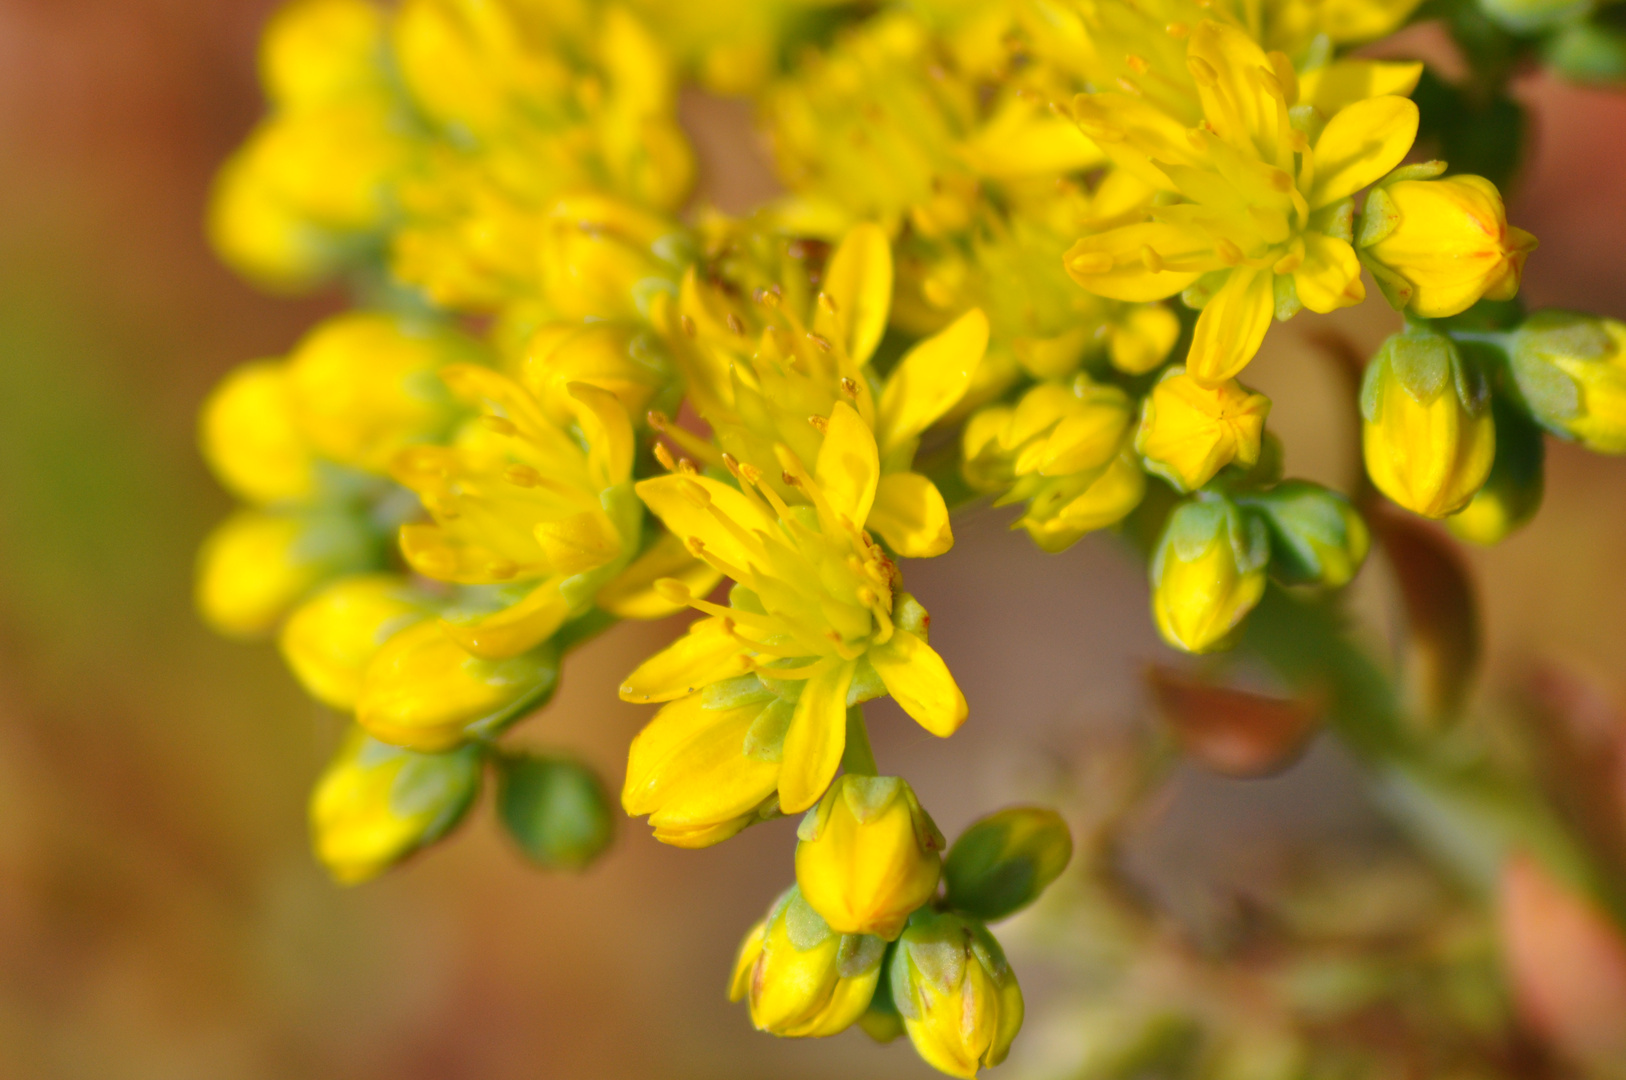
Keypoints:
pixel 556 810
pixel 1003 862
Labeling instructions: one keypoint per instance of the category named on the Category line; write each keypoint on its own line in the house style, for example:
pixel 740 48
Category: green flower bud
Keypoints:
pixel 376 804
pixel 1003 862
pixel 1512 495
pixel 1587 52
pixel 1428 435
pixel 1208 573
pixel 957 995
pixel 867 857
pixel 1316 536
pixel 802 979
pixel 557 811
pixel 1570 372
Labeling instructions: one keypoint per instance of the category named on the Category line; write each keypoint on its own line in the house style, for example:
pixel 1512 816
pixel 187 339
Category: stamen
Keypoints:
pixel 1229 253
pixel 820 424
pixel 1091 262
pixel 823 343
pixel 849 388
pixel 664 456
pixel 736 324
pixel 499 424
pixel 689 327
pixel 522 476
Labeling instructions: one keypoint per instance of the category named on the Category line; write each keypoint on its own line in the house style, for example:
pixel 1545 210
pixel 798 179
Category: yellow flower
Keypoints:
pixel 256 565
pixel 331 638
pixel 423 691
pixel 1258 216
pixel 617 357
pixel 376 804
pixel 868 855
pixel 1440 246
pixel 519 505
pixel 1065 450
pixel 251 439
pixel 1428 434
pixel 1190 431
pixel 810 357
pixel 801 979
pixel 315 52
pixel 958 996
pixel 1208 573
pixel 364 386
pixel 816 620
pixel 1570 372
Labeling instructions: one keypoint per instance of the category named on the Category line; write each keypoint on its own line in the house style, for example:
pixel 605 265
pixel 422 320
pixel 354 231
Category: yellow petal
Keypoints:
pixel 920 682
pixel 858 282
pixel 1361 144
pixel 688 769
pixel 604 422
pixel 848 467
pixel 579 543
pixel 1330 276
pixel 706 654
pixel 632 594
pixel 1114 264
pixel 1232 325
pixel 691 506
pixel 911 516
pixel 931 379
pixel 816 739
pixel 515 629
pixel 1135 134
pixel 1344 82
pixel 1233 102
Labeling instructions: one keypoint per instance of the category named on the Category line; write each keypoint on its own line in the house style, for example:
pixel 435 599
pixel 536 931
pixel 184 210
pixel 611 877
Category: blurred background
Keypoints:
pixel 160 915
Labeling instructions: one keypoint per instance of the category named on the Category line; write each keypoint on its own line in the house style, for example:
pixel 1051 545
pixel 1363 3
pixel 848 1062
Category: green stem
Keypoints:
pixel 858 759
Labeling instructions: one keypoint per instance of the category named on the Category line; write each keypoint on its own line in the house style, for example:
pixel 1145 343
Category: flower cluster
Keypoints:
pixel 1024 250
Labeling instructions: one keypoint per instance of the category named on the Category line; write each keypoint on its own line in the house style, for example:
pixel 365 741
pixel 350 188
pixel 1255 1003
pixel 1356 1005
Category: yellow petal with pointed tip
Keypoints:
pixel 859 283
pixel 911 516
pixel 688 770
pixel 931 379
pixel 1360 145
pixel 707 653
pixel 604 421
pixel 1232 325
pixel 816 739
pixel 916 676
pixel 693 506
pixel 1113 264
pixel 515 629
pixel 1330 276
pixel 848 467
pixel 579 543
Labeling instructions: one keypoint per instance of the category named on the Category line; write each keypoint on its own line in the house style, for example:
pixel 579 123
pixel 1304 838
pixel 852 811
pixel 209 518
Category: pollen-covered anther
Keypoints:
pixel 1128 87
pixel 695 545
pixel 823 343
pixel 1288 263
pixel 736 324
pixel 502 569
pixel 657 419
pixel 673 591
pixel 827 302
pixel 732 464
pixel 1281 180
pixel 1177 30
pixel 1203 72
pixel 790 479
pixel 664 456
pixel 849 388
pixel 820 424
pixel 522 476
pixel 1137 64
pixel 1229 253
pixel 689 327
pixel 766 297
pixel 501 425
pixel 687 467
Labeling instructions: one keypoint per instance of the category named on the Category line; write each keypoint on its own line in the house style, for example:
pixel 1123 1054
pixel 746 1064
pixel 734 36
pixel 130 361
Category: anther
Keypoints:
pixel 1136 64
pixel 500 425
pixel 827 302
pixel 849 388
pixel 502 570
pixel 823 343
pixel 687 467
pixel 732 464
pixel 1229 253
pixel 689 327
pixel 657 419
pixel 664 456
pixel 789 479
pixel 1177 29
pixel 522 476
pixel 1281 181
pixel 1091 262
pixel 820 424
pixel 736 324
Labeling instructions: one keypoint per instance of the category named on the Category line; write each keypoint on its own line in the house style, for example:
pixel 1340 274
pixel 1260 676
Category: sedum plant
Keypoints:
pixel 1024 251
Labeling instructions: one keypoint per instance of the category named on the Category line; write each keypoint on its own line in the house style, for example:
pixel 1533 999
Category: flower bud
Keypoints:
pixel 868 855
pixel 1428 435
pixel 957 994
pixel 1189 431
pixel 257 565
pixel 376 804
pixel 1004 861
pixel 555 810
pixel 1512 494
pixel 1437 247
pixel 1208 573
pixel 250 439
pixel 424 692
pixel 802 979
pixel 1316 536
pixel 1570 372
pixel 364 386
pixel 331 638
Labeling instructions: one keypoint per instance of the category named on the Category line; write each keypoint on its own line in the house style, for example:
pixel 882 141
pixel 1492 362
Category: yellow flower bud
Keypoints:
pixel 365 387
pixel 250 439
pixel 1142 337
pixel 868 855
pixel 425 693
pixel 331 638
pixel 958 996
pixel 802 979
pixel 1428 435
pixel 1208 573
pixel 1439 246
pixel 257 234
pixel 315 52
pixel 376 804
pixel 1512 494
pixel 1570 372
pixel 255 566
pixel 1189 431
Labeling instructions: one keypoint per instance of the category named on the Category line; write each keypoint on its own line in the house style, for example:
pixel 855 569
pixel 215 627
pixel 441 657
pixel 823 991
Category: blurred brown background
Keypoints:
pixel 159 914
